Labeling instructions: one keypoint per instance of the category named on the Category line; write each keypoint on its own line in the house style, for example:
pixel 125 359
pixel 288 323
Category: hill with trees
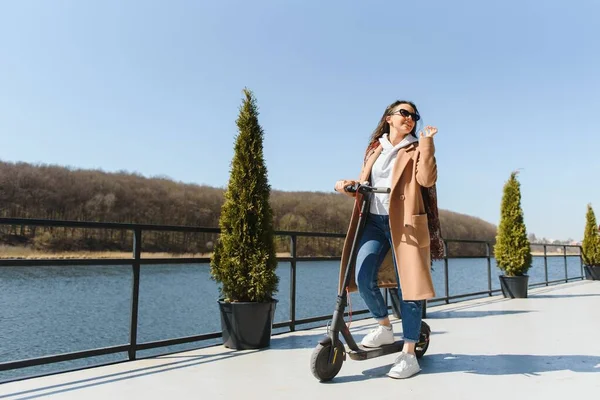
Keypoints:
pixel 61 193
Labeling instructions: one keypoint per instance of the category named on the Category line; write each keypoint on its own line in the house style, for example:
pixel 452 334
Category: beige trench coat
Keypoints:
pixel 415 167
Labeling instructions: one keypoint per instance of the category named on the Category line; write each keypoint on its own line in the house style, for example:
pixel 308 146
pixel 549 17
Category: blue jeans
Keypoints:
pixel 374 244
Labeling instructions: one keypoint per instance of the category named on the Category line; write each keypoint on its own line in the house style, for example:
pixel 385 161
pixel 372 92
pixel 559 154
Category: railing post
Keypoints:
pixel 566 269
pixel 545 265
pixel 293 283
pixel 446 272
pixel 489 267
pixel 137 253
pixel 581 262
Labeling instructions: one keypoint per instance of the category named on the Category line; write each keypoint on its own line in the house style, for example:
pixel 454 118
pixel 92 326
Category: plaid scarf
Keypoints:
pixel 433 219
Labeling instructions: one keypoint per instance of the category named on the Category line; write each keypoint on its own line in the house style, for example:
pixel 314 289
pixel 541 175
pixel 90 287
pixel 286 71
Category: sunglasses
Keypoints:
pixel 415 117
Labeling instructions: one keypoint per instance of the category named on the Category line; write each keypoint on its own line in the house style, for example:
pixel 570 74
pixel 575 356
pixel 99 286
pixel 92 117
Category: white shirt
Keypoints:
pixel 381 173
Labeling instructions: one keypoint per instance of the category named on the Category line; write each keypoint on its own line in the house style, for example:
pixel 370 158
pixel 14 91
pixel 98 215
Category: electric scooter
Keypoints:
pixel 327 358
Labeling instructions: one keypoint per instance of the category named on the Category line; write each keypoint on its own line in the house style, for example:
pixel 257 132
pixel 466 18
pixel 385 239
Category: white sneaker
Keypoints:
pixel 378 337
pixel 405 366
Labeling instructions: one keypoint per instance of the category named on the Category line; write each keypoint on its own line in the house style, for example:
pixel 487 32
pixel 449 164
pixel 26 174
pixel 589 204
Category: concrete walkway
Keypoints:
pixel 543 347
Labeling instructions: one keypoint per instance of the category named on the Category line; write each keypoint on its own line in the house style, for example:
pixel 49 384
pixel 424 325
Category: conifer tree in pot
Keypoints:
pixel 512 250
pixel 244 261
pixel 590 249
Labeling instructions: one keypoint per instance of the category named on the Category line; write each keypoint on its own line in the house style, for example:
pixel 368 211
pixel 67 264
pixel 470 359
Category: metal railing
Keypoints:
pixel 488 245
pixel 136 261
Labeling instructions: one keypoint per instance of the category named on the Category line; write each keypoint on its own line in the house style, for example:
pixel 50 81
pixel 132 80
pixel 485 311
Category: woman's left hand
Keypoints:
pixel 430 131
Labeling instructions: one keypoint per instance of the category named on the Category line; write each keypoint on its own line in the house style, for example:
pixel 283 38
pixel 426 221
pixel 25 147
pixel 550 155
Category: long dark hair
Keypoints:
pixel 383 127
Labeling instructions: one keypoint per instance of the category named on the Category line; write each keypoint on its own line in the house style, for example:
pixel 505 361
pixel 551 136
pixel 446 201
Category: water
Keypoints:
pixel 52 310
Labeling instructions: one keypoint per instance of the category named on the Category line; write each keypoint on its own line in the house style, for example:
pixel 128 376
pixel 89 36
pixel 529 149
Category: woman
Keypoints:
pixel 399 222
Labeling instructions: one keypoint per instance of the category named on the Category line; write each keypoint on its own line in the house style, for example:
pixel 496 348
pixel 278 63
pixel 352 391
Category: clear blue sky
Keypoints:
pixel 154 87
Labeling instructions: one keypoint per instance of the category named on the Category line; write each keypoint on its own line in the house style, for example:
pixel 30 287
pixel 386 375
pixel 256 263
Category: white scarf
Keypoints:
pixel 381 173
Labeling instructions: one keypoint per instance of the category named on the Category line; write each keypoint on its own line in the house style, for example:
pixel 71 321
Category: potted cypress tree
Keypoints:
pixel 244 260
pixel 590 249
pixel 512 249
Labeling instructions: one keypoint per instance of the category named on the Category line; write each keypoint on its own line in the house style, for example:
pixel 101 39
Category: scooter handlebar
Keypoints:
pixel 364 188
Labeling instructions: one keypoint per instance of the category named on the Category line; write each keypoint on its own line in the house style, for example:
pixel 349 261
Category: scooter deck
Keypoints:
pixel 364 353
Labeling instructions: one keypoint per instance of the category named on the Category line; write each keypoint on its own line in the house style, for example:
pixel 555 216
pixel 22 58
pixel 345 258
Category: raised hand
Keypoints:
pixel 430 131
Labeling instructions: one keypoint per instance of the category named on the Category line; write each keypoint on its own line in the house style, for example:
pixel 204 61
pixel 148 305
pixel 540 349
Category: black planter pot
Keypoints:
pixel 247 325
pixel 514 287
pixel 592 272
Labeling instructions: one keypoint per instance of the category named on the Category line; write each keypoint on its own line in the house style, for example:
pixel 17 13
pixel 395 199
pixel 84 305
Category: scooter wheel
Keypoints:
pixel 423 343
pixel 320 366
